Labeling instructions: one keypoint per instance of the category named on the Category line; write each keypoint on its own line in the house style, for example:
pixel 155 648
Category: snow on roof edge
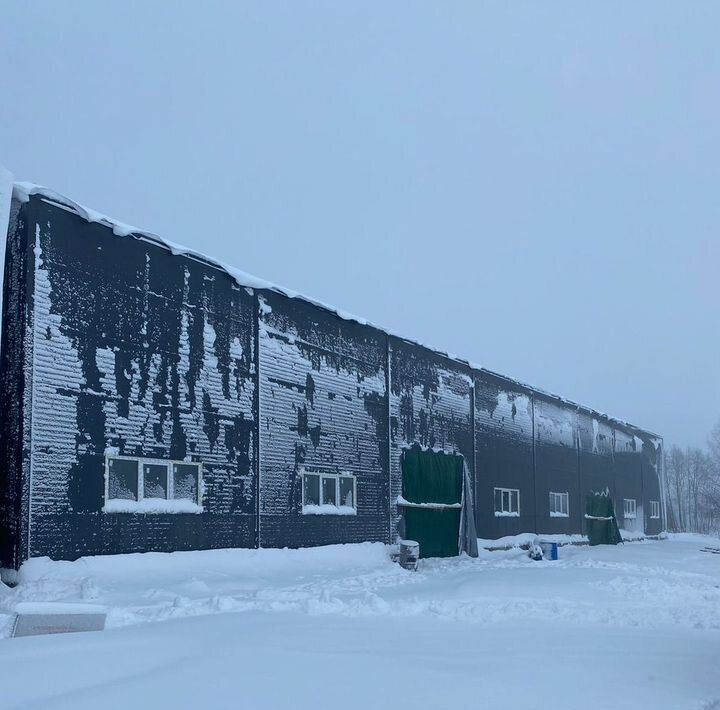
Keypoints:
pixel 22 191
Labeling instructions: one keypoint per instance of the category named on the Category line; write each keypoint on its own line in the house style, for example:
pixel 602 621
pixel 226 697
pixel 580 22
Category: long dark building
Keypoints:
pixel 153 399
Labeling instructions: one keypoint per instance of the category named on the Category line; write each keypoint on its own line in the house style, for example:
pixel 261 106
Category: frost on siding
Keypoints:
pixel 556 464
pixel 322 406
pixel 57 443
pixel 430 405
pixel 139 352
pixel 504 453
pixel 555 425
pixel 16 368
pixel 595 436
pixel 499 410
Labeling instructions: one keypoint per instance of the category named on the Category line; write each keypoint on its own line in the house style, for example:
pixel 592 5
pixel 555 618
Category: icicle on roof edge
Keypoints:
pixel 22 191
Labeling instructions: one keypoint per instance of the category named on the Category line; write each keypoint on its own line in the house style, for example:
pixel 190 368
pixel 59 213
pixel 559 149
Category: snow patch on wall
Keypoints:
pixel 555 424
pixel 57 382
pixel 596 431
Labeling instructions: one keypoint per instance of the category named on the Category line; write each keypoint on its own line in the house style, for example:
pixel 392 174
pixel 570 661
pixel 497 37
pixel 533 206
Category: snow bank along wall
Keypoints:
pixel 114 345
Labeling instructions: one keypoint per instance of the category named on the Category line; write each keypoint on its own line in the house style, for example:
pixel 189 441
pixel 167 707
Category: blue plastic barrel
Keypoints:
pixel 550 549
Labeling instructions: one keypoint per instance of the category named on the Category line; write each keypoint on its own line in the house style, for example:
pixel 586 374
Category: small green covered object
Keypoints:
pixel 602 527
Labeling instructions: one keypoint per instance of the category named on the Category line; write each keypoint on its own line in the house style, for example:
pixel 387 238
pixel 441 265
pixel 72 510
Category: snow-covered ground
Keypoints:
pixel 634 626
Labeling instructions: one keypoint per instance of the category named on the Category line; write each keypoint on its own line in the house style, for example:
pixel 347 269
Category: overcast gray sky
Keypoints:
pixel 532 186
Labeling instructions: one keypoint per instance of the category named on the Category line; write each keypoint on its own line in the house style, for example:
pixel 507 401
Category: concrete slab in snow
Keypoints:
pixel 36 618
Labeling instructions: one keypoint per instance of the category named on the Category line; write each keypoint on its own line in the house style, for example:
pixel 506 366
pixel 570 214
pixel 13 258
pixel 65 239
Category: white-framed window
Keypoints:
pixel 654 508
pixel 328 493
pixel 507 502
pixel 143 485
pixel 559 505
pixel 629 508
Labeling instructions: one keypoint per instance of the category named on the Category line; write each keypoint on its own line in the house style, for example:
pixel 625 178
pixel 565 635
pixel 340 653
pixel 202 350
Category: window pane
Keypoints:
pixel 329 491
pixel 347 492
pixel 185 481
pixel 311 489
pixel 553 503
pixel 498 500
pixel 123 479
pixel 514 501
pixel 564 503
pixel 155 475
pixel 506 501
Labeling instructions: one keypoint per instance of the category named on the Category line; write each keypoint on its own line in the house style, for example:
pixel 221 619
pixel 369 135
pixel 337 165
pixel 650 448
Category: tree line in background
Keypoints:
pixel 692 487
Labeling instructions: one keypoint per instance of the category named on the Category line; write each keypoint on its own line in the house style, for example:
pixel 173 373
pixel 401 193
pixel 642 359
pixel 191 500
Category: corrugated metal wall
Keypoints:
pixel 430 405
pixel 128 348
pixel 323 405
pixel 141 353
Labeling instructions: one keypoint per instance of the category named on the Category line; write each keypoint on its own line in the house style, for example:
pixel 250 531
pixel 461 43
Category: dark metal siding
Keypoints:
pixel 323 405
pixel 143 353
pixel 651 486
pixel 125 347
pixel 556 465
pixel 15 390
pixel 430 405
pixel 596 459
pixel 504 454
pixel 628 460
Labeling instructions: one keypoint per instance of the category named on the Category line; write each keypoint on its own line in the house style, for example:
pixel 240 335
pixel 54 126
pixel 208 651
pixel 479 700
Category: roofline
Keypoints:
pixel 23 191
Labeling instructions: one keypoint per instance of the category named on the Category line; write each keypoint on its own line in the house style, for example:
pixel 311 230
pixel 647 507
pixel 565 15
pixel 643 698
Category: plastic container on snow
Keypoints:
pixel 409 554
pixel 549 549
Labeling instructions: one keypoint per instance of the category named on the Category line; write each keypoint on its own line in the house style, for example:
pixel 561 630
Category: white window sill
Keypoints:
pixel 630 517
pixel 151 505
pixel 654 517
pixel 559 515
pixel 505 514
pixel 328 510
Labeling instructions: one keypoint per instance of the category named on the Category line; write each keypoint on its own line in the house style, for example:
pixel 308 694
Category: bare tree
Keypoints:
pixel 692 487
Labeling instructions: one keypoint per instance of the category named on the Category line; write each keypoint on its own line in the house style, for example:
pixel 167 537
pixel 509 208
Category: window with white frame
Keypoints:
pixel 654 508
pixel 507 502
pixel 142 485
pixel 559 505
pixel 327 493
pixel 630 508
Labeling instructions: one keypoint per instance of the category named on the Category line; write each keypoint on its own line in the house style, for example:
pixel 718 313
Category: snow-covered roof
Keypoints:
pixel 22 191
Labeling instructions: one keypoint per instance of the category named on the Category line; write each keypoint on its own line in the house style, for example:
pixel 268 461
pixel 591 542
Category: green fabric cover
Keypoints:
pixel 435 530
pixel 432 477
pixel 601 532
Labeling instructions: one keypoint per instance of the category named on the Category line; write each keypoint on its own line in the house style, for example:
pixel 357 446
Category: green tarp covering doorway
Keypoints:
pixel 602 527
pixel 437 503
